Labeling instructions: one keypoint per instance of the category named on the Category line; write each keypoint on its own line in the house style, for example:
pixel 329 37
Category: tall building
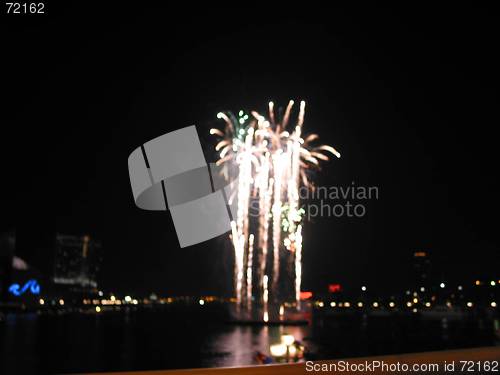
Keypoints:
pixel 7 247
pixel 77 261
pixel 422 268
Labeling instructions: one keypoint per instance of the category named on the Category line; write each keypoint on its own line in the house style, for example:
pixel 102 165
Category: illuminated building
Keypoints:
pixel 334 288
pixel 19 281
pixel 421 268
pixel 77 261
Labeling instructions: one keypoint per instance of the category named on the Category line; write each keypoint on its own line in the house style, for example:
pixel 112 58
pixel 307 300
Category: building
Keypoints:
pixel 37 265
pixel 7 247
pixel 422 269
pixel 19 281
pixel 77 261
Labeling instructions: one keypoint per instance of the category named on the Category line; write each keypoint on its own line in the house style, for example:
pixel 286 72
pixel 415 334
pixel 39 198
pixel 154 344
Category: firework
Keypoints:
pixel 273 164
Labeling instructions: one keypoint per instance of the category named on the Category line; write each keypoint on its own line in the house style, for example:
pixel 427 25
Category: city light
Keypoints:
pixel 469 304
pixel 97 309
pixel 333 304
pixel 415 300
pixel 427 304
pixel 287 339
pixel 493 304
pixel 422 289
pixel 31 285
pixel 304 295
pixel 201 302
pixel 478 282
pixel 360 304
pixel 347 304
pixel 41 301
pixel 392 304
pixel 363 288
pixel 61 302
pixel 492 283
pixel 278 350
pixel 334 288
pixel 375 304
pixel 442 285
pixel 409 304
pixel 128 299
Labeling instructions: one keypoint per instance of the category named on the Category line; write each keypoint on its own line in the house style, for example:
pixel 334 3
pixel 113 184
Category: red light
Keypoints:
pixel 305 295
pixel 334 288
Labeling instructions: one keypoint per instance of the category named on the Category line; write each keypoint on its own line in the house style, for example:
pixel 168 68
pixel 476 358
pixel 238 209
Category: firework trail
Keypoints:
pixel 272 163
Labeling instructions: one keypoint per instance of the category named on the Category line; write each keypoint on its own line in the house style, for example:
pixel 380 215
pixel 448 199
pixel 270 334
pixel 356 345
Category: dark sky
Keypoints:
pixel 408 96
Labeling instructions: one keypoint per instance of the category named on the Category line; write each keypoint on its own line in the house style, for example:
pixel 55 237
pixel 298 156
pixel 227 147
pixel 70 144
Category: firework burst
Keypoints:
pixel 273 160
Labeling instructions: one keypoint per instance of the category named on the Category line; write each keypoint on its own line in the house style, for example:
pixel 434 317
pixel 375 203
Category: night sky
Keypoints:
pixel 409 97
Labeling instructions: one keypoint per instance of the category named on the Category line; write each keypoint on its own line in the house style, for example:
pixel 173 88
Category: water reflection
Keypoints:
pixel 148 340
pixel 237 345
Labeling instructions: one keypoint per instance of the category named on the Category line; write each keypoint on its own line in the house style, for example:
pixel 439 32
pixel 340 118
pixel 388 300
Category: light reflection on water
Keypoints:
pixel 238 345
pixel 153 340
